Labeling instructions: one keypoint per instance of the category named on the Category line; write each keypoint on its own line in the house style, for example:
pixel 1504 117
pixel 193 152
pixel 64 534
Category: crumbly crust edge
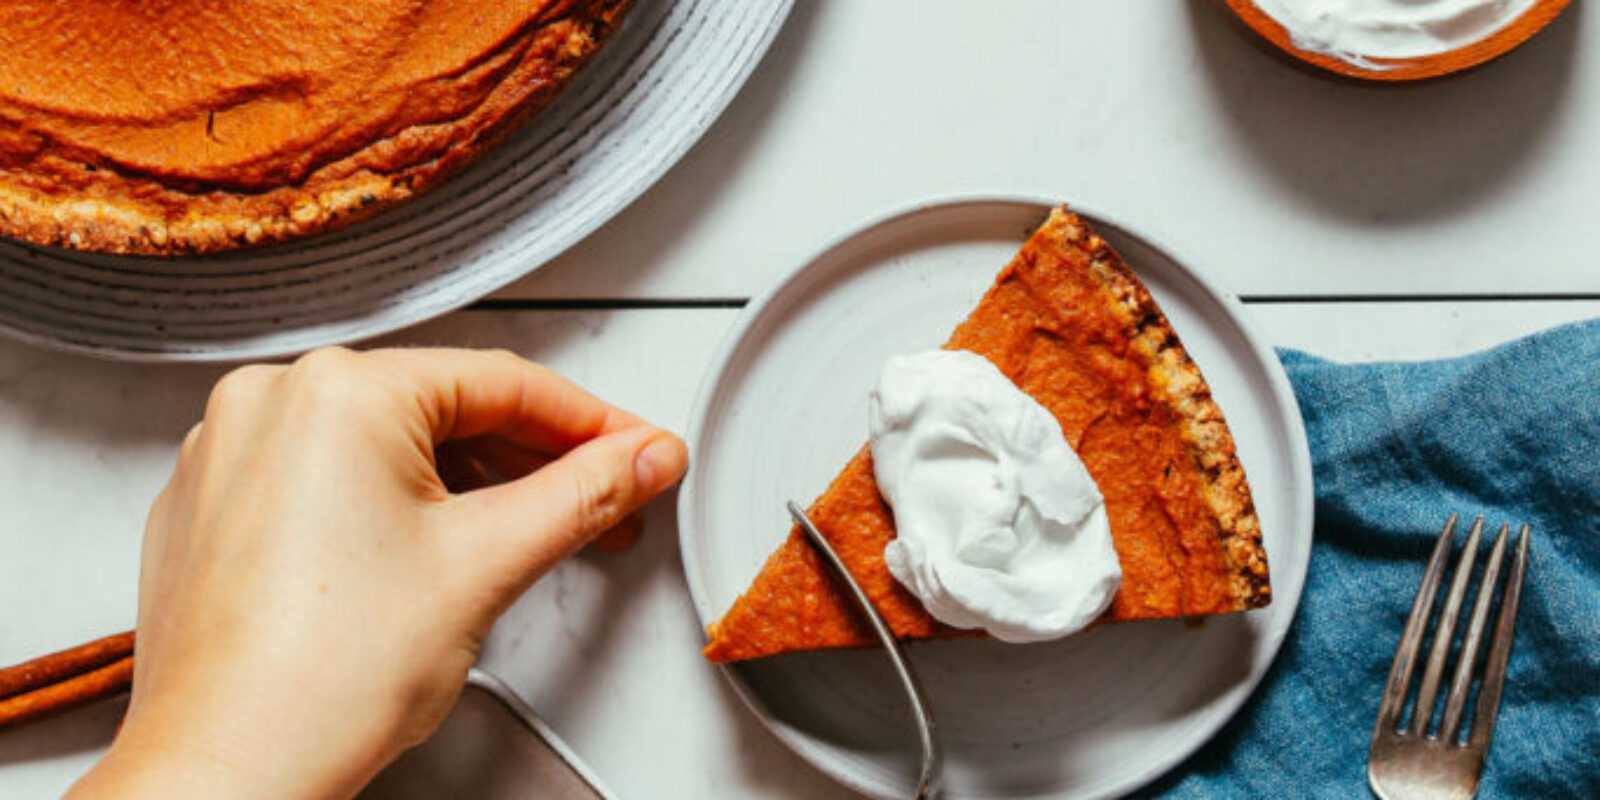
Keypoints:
pixel 1227 493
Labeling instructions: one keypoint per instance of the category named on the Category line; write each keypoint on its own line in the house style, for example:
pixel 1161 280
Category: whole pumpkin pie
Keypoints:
pixel 1075 329
pixel 187 126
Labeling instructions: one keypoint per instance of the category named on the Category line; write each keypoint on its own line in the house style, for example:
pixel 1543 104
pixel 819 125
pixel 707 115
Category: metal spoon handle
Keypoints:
pixel 926 728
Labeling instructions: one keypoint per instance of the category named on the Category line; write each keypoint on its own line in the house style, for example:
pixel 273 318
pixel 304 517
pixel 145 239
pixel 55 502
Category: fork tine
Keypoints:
pixel 1405 654
pixel 1445 632
pixel 1456 702
pixel 1494 670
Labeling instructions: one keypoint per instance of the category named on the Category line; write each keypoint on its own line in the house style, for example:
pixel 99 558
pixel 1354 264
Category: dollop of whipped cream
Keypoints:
pixel 1357 30
pixel 999 526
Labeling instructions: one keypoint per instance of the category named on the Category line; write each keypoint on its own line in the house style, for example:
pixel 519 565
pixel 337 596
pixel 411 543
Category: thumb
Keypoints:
pixel 531 523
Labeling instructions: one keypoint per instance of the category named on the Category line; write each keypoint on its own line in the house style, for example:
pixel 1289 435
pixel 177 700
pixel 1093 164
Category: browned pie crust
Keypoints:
pixel 1075 329
pixel 1227 494
pixel 84 178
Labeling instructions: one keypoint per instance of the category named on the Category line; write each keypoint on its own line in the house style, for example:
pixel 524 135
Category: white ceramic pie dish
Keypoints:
pixel 628 116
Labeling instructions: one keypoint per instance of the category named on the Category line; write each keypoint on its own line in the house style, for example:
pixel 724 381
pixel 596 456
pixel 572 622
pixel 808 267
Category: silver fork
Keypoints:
pixel 1410 763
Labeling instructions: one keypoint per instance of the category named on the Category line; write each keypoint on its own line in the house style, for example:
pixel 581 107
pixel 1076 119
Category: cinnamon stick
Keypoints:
pixel 105 681
pixel 60 666
pixel 56 667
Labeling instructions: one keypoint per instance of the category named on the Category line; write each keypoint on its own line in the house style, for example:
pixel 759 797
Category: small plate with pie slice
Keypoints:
pixel 782 415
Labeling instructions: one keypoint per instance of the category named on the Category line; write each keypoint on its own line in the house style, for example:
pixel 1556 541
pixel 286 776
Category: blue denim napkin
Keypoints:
pixel 1512 433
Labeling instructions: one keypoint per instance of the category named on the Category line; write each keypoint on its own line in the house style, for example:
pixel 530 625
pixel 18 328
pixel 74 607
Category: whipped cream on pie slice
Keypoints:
pixel 999 525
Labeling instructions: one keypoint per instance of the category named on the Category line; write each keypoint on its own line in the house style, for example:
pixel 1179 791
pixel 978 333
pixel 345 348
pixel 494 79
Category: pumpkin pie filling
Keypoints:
pixel 1075 329
pixel 178 125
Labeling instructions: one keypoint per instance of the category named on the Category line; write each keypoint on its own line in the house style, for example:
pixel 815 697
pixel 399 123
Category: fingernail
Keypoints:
pixel 657 464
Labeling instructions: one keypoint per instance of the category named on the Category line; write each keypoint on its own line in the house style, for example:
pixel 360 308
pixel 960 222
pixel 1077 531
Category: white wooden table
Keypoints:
pixel 1357 222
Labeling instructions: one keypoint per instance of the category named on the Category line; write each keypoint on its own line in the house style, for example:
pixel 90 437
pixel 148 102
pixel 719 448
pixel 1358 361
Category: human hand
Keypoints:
pixel 312 594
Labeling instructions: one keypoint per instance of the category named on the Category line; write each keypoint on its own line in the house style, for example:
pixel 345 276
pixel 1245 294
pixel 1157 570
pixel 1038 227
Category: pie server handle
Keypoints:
pixel 932 756
pixel 581 784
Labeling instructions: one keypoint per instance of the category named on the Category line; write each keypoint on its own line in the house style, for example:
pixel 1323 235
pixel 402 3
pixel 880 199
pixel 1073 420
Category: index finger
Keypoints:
pixel 467 393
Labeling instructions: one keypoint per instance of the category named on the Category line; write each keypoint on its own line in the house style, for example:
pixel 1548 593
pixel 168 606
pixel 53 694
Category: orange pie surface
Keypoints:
pixel 169 126
pixel 1073 327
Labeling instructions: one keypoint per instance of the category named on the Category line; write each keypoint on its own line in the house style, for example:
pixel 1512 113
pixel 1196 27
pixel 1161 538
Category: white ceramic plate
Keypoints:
pixel 630 114
pixel 784 407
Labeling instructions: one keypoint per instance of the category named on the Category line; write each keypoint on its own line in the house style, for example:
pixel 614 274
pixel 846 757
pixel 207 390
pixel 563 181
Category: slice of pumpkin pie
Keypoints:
pixel 1074 329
